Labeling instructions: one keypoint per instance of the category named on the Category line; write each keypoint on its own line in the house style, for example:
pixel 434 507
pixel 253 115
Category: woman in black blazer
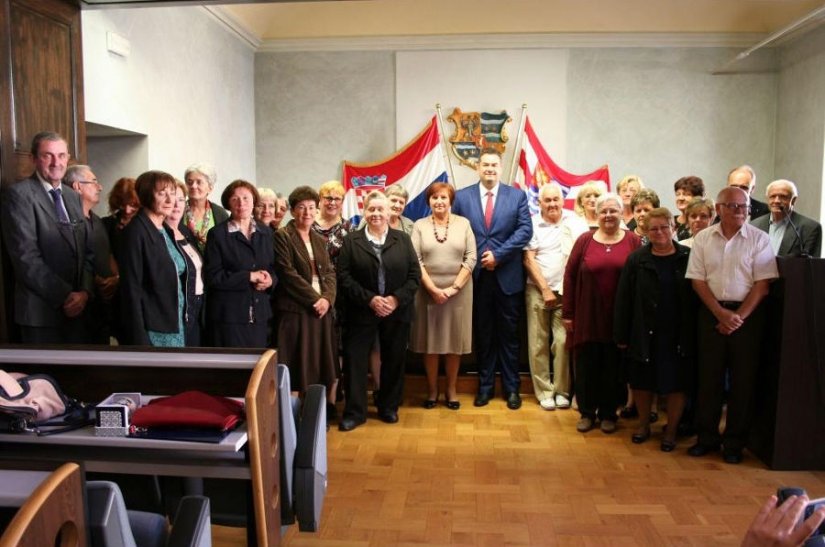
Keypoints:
pixel 378 276
pixel 239 271
pixel 153 269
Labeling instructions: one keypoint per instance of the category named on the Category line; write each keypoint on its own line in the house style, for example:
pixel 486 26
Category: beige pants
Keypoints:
pixel 540 321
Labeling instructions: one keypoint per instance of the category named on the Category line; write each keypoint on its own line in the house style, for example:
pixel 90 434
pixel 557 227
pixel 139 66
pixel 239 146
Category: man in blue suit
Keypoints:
pixel 501 223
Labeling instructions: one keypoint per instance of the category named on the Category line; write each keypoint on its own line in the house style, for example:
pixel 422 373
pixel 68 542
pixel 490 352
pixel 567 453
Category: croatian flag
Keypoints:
pixel 416 166
pixel 538 169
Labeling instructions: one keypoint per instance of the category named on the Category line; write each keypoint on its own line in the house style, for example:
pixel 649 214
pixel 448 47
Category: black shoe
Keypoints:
pixel 481 399
pixel 429 403
pixel 732 456
pixel 514 401
pixel 639 438
pixel 388 416
pixel 629 412
pixel 654 417
pixel 667 446
pixel 348 424
pixel 699 450
pixel 453 405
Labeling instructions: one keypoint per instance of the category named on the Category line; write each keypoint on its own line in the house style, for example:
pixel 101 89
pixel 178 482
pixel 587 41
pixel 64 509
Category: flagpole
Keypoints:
pixel 444 150
pixel 519 142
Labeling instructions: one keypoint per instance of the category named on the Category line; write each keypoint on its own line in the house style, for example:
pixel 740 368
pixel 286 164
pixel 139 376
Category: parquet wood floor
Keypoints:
pixel 492 477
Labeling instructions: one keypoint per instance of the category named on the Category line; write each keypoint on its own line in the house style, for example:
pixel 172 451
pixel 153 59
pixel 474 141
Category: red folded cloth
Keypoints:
pixel 190 409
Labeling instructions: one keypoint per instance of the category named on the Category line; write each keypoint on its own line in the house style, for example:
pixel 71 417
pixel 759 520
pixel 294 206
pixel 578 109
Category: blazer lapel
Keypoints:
pixel 43 200
pixel 788 237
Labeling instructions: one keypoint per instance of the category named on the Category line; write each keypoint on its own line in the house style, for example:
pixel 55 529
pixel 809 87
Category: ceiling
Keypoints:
pixel 279 21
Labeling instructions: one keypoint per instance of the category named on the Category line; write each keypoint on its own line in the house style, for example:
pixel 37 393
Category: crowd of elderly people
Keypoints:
pixel 620 296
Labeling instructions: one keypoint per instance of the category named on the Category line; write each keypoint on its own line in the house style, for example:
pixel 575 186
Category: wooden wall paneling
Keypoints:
pixel 41 88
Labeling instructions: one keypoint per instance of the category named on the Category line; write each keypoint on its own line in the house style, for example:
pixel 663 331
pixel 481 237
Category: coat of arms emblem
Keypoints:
pixel 475 131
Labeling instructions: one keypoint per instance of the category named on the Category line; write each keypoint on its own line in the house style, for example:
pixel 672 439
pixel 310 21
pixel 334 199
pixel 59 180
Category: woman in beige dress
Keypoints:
pixel 446 249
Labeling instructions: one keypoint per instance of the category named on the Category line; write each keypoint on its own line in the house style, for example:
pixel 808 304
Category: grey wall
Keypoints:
pixel 800 131
pixel 660 114
pixel 187 85
pixel 314 110
pixel 656 112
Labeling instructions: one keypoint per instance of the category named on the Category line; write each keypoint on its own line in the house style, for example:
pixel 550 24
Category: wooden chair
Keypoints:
pixel 262 418
pixel 53 514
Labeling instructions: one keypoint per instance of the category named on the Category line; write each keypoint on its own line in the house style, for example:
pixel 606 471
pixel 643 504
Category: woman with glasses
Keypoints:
pixel 304 298
pixel 654 321
pixel 330 224
pixel 590 280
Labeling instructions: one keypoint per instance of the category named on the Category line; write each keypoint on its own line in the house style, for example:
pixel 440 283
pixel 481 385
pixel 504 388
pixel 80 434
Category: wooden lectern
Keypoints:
pixel 788 428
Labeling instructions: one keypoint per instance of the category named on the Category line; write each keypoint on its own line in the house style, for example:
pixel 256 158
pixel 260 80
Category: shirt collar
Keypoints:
pixel 232 227
pixel 780 222
pixel 484 190
pixel 377 240
pixel 46 184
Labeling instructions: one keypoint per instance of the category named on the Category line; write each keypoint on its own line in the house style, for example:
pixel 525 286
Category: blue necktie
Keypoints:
pixel 59 208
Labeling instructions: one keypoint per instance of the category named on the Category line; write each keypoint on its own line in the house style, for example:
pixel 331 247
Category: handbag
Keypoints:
pixel 29 402
pixel 187 416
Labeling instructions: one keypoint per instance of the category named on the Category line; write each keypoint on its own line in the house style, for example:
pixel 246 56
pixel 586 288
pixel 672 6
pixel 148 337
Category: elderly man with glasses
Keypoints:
pixel 730 266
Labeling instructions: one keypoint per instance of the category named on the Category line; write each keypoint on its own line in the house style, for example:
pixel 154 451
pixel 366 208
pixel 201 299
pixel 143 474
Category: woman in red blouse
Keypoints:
pixel 590 282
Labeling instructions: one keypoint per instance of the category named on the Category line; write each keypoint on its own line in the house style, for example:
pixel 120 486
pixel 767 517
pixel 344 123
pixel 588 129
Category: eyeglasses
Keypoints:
pixel 333 199
pixel 736 206
pixel 657 229
pixel 88 182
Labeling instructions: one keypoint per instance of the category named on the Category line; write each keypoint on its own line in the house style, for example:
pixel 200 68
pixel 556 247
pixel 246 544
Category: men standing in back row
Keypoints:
pixel 45 235
pixel 730 266
pixel 500 219
pixel 744 178
pixel 791 234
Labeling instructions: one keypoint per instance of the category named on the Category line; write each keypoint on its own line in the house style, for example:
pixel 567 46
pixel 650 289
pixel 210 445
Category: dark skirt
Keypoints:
pixel 239 335
pixel 308 346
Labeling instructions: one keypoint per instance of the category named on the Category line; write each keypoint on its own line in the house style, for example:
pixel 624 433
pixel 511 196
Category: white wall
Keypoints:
pixel 656 112
pixel 187 85
pixel 659 113
pixel 800 133
pixel 314 110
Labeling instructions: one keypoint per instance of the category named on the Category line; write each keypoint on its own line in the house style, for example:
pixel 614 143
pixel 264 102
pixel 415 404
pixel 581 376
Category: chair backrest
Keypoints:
pixel 108 519
pixel 261 413
pixel 310 481
pixel 53 514
pixel 289 441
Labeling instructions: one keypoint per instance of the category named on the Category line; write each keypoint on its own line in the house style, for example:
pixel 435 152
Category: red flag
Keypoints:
pixel 539 169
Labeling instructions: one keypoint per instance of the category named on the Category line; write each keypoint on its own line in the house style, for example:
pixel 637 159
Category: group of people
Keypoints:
pixel 619 294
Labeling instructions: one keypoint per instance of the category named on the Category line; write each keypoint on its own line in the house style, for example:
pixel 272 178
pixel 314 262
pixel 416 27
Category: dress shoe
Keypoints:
pixel 640 437
pixel 584 424
pixel 667 446
pixel 388 416
pixel 514 401
pixel 654 417
pixel 348 424
pixel 452 405
pixel 629 412
pixel 481 399
pixel 699 450
pixel 429 403
pixel 732 456
pixel 608 426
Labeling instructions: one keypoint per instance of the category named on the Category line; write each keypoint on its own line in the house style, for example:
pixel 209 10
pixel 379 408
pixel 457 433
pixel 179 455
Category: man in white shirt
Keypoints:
pixel 545 257
pixel 731 266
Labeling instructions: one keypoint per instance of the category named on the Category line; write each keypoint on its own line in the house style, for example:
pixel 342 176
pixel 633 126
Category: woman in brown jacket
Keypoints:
pixel 304 298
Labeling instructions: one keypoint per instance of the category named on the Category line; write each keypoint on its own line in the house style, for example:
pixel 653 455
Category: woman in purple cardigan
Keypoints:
pixel 590 282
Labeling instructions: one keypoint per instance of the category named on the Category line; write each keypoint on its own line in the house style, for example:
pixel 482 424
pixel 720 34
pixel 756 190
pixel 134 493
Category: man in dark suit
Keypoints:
pixel 744 177
pixel 782 196
pixel 99 312
pixel 46 239
pixel 501 223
